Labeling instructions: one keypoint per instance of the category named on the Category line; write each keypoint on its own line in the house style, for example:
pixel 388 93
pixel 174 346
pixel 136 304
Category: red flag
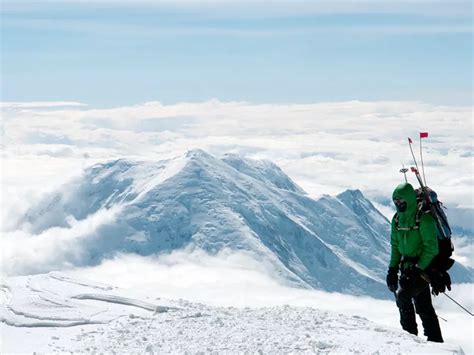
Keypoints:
pixel 423 134
pixel 409 140
pixel 413 169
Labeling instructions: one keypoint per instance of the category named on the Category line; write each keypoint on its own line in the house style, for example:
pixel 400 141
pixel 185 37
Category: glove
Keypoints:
pixel 447 280
pixel 392 278
pixel 409 276
pixel 440 281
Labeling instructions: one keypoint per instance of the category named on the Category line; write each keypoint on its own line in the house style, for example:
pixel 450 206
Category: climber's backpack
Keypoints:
pixel 442 261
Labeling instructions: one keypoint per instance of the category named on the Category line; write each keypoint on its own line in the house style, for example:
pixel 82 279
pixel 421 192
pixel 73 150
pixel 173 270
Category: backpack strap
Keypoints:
pixel 419 213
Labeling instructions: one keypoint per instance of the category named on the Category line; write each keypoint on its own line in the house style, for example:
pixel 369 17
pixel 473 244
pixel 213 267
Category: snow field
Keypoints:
pixel 58 313
pixel 197 328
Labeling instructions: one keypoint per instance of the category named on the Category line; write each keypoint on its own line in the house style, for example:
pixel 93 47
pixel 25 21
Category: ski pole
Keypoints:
pixel 404 171
pixel 452 299
pixel 411 150
pixel 430 203
pixel 442 318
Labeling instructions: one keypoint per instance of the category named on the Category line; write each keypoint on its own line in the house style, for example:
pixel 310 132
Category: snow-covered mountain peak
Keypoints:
pixel 355 194
pixel 200 201
pixel 360 205
pixel 263 170
pixel 198 154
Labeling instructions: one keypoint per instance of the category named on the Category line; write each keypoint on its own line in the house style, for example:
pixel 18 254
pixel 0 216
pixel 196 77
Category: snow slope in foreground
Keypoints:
pixel 58 313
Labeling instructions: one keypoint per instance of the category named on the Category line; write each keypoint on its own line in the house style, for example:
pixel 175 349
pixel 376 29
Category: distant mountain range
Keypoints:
pixel 199 201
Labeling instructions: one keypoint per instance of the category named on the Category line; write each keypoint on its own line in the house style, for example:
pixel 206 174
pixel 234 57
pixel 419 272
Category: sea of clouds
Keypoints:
pixel 324 147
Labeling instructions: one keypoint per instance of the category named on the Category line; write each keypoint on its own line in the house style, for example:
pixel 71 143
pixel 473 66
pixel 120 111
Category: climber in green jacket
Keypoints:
pixel 414 244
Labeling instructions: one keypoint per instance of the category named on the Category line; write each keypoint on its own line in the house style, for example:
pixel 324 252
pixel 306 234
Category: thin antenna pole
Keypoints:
pixel 422 165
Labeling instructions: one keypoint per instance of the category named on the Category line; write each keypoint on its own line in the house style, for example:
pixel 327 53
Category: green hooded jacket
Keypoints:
pixel 422 242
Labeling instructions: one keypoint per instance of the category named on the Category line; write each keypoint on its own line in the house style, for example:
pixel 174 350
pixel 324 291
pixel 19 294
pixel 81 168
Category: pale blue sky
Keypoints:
pixel 107 53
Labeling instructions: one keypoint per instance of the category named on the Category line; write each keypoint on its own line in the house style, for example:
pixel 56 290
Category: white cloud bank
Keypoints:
pixel 325 147
pixel 41 104
pixel 57 248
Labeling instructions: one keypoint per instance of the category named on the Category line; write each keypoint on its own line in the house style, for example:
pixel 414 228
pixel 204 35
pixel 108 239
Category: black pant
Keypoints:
pixel 418 291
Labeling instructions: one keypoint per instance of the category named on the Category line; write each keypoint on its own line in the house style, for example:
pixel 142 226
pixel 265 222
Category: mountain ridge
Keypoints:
pixel 199 201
